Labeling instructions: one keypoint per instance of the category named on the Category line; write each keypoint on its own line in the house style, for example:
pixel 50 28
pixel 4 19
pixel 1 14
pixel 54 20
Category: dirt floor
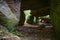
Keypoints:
pixel 36 33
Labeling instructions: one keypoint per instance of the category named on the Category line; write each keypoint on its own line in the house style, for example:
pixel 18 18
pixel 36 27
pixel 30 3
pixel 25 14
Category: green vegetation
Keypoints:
pixel 55 17
pixel 8 26
pixel 27 14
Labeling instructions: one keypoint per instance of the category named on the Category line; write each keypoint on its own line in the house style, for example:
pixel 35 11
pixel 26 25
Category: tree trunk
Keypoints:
pixel 22 18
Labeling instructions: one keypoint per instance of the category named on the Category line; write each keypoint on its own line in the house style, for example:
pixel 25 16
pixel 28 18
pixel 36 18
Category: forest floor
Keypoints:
pixel 35 32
